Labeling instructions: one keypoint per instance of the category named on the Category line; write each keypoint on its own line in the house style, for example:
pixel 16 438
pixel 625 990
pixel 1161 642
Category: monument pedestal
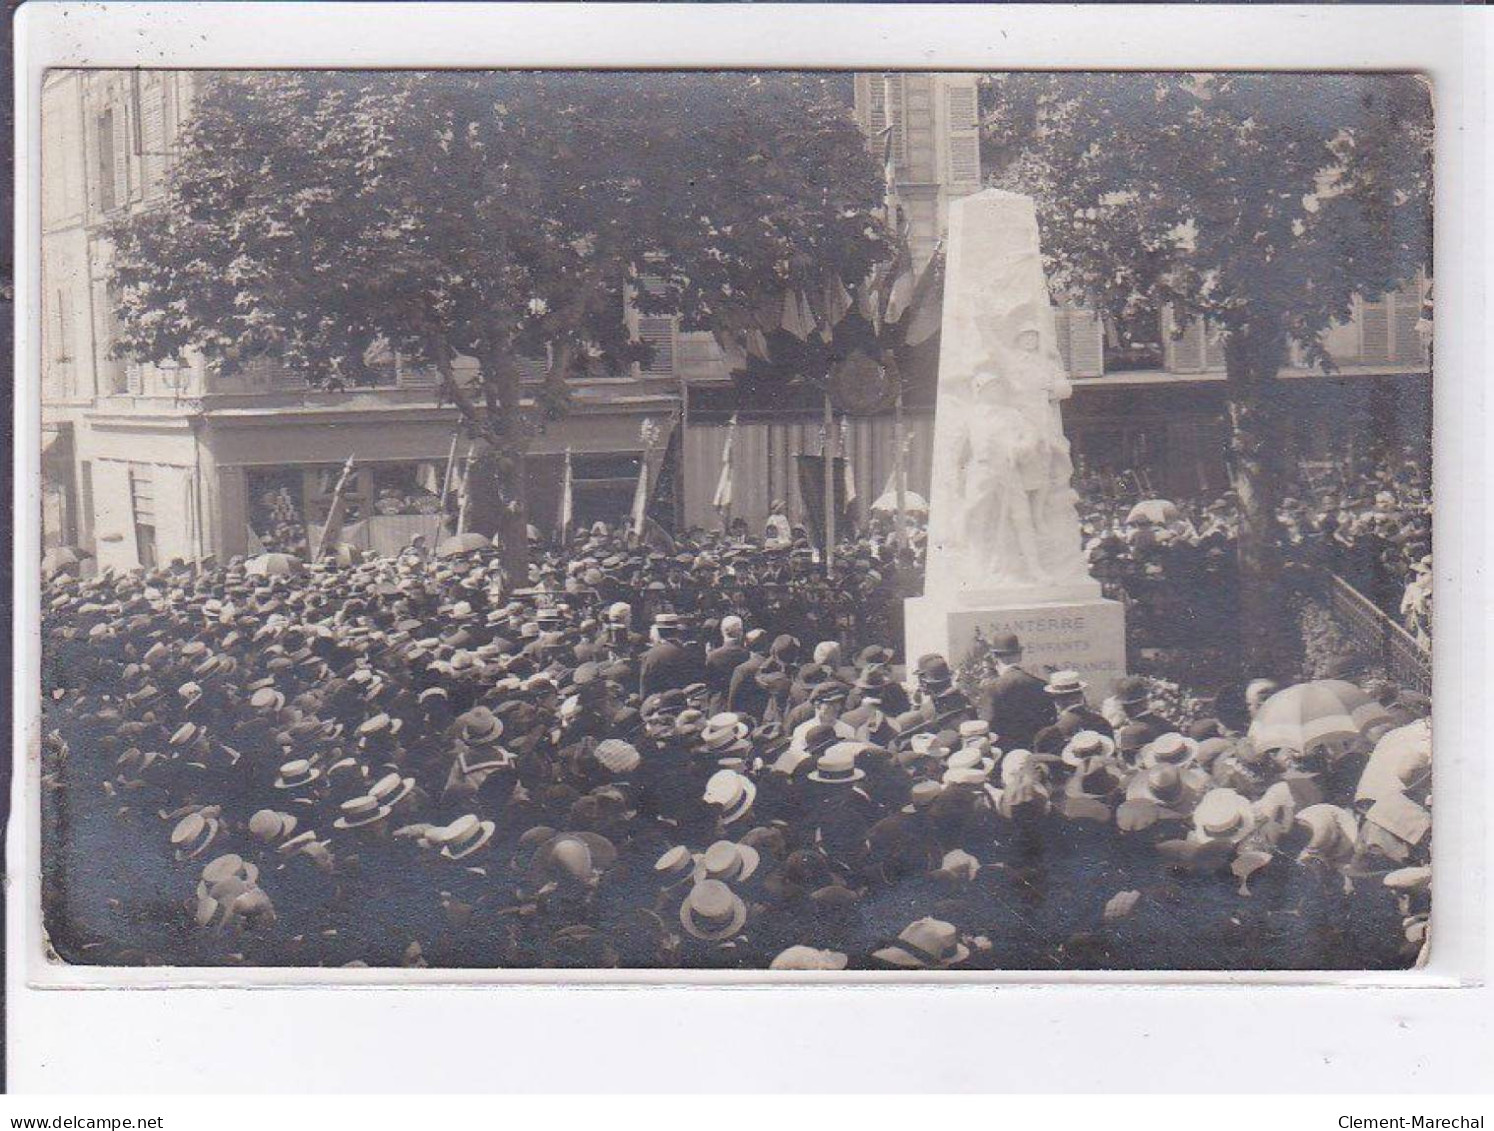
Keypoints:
pixel 1086 634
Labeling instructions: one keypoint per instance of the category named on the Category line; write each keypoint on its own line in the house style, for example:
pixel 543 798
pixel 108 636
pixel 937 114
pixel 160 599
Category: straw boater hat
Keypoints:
pixel 479 727
pixel 192 835
pixel 924 945
pixel 1171 749
pixel 270 825
pixel 391 789
pixel 727 862
pixel 922 795
pixel 267 699
pixel 675 866
pixel 1223 815
pixel 837 765
pixel 617 756
pixel 809 958
pixel 712 912
pixel 1085 745
pixel 1334 834
pixel 732 792
pixel 462 837
pixel 1065 683
pixel 580 856
pixel 976 733
pixel 359 811
pixel 724 734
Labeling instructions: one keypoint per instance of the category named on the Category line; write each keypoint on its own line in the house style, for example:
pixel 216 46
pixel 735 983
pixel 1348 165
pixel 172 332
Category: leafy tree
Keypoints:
pixel 493 216
pixel 1263 202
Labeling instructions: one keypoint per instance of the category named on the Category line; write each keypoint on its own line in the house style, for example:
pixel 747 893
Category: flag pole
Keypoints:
pixel 446 479
pixel 827 454
pixel 900 453
pixel 334 512
pixel 466 489
pixel 566 502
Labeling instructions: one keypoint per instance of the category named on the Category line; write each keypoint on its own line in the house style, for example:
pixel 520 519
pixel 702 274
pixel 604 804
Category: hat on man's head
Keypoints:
pixel 1005 644
pixel 1065 683
pixel 712 912
pixel 829 692
pixel 925 944
pixel 934 671
pixel 732 793
pixel 801 957
pixel 727 862
pixel 1133 691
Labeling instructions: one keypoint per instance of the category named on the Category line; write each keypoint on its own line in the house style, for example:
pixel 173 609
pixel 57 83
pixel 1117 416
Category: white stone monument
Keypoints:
pixel 1004 550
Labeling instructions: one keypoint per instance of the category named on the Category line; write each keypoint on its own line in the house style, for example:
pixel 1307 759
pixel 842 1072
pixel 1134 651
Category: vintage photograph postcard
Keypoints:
pixel 736 520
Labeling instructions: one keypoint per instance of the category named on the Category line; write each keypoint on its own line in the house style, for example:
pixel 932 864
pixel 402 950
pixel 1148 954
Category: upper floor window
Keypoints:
pixel 108 155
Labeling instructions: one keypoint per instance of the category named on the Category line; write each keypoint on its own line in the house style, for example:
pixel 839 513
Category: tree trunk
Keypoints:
pixel 1268 640
pixel 496 507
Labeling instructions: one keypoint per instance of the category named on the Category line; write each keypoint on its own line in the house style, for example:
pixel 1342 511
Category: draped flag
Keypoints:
pixel 333 527
pixel 812 491
pixel 639 510
pixel 848 471
pixel 567 506
pixel 662 506
pixel 722 499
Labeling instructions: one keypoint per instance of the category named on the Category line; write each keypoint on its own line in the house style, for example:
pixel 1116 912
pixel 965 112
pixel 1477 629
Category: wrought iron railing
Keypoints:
pixel 1378 637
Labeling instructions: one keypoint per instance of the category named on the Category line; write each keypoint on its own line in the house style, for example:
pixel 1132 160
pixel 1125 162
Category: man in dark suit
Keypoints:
pixel 667 663
pixel 1066 690
pixel 1015 702
pixel 721 662
pixel 742 692
pixel 940 703
pixel 1133 696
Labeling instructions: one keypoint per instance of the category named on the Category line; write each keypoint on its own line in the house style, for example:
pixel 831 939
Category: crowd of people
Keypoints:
pixel 1174 562
pixel 709 758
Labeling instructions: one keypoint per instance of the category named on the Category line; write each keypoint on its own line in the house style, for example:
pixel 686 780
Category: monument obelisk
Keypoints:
pixel 1004 546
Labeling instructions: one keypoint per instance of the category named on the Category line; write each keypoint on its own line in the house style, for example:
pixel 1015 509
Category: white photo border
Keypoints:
pixel 1448 44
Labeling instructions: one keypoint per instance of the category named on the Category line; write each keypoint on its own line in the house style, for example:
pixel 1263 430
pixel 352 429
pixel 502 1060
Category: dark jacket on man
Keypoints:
pixel 1016 706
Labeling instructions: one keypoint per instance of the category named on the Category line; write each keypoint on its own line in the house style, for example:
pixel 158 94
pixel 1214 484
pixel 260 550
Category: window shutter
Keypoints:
pixel 1406 304
pixel 876 109
pixel 1213 347
pixel 1086 350
pixel 1374 331
pixel 104 141
pixel 415 377
pixel 894 96
pixel 532 370
pixel 1061 320
pixel 1183 354
pixel 143 493
pixel 962 107
pixel 63 349
pixel 121 159
pixel 659 332
pixel 153 136
pixel 964 141
pixel 964 159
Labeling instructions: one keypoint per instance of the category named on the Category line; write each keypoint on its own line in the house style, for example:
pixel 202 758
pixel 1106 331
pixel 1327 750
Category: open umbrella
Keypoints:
pixel 1308 715
pixel 462 544
pixel 345 554
pixel 1401 758
pixel 272 565
pixel 1158 512
pixel 61 559
pixel 914 502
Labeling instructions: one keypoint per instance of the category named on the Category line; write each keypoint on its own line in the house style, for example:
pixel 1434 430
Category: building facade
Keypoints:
pixel 143 464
